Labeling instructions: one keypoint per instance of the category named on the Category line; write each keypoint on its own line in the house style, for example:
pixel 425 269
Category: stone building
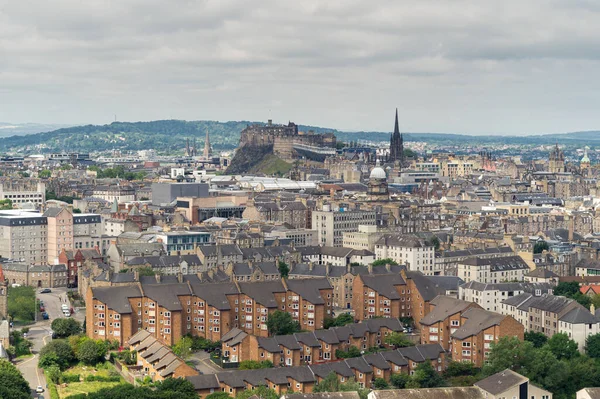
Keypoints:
pixel 38 276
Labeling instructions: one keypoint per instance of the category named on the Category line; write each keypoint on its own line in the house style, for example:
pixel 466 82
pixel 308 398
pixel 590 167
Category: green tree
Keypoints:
pixel 352 351
pixel 398 340
pixel 65 327
pixel 592 346
pixel 567 289
pixel 262 392
pixel 380 383
pixel 540 247
pixel 66 167
pixel 6 204
pixel 91 352
pixel 218 395
pixel 562 346
pixel 180 386
pixel 383 262
pixel 12 383
pixel 457 369
pixel 284 269
pixel 332 384
pixel 281 323
pixel 62 350
pixel 435 242
pixel 21 303
pixel 183 348
pixel 536 338
pixel 338 321
pixel 53 372
pixel 147 271
pixel 44 174
pixel 509 353
pixel 399 381
pixel 425 376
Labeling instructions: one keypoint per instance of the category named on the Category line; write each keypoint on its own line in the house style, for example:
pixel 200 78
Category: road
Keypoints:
pixel 40 334
pixel 203 364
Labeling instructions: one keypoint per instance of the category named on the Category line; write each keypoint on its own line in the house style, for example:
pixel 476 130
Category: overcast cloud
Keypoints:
pixel 501 67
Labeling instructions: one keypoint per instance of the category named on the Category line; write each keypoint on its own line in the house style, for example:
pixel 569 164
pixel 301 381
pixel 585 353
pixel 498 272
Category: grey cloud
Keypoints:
pixel 462 66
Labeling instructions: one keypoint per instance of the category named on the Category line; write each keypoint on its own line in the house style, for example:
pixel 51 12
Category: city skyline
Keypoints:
pixel 488 69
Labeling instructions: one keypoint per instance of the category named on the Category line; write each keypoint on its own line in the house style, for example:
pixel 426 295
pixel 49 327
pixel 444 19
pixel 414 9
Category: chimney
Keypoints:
pixel 388 267
pixel 311 266
pixel 136 275
pixel 370 268
pixel 327 269
pixel 157 276
pixel 180 277
pixel 251 264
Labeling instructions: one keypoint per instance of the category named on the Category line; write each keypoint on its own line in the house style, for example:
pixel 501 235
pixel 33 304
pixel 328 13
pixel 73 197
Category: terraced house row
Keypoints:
pixel 302 379
pixel 173 306
pixel 307 347
pixel 466 330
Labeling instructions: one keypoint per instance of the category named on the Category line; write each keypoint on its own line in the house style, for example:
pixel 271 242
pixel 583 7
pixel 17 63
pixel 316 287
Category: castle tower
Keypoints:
pixel 206 146
pixel 3 296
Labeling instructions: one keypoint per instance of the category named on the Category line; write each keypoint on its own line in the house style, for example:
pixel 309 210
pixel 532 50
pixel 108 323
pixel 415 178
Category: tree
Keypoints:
pixel 62 350
pixel 21 303
pixel 562 346
pixel 435 242
pixel 284 269
pixel 147 271
pixel 281 323
pixel 6 204
pixel 91 352
pixel 536 338
pixel 76 210
pixel 380 383
pixel 182 387
pixel 425 376
pixel 398 340
pixel 255 364
pixel 399 380
pixel 567 289
pixel 44 174
pixel 53 372
pixel 509 353
pixel 218 395
pixel 592 346
pixel 338 321
pixel 262 392
pixel 383 262
pixel 332 384
pixel 183 348
pixel 12 383
pixel 352 351
pixel 540 247
pixel 64 327
pixel 457 369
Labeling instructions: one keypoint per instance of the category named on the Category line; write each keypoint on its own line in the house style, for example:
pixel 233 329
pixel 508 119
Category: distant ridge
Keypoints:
pixel 170 135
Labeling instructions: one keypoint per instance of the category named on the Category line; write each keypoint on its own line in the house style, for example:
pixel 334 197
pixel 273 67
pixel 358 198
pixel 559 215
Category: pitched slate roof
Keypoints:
pixel 309 289
pixel 117 297
pixel 445 306
pixel 501 382
pixel 477 321
pixel 384 284
pixel 579 315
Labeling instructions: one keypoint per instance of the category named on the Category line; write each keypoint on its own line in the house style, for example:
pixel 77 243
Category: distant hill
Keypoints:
pixel 170 135
pixel 17 129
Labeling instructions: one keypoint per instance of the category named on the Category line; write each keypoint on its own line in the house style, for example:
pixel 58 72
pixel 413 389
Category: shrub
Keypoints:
pixel 68 378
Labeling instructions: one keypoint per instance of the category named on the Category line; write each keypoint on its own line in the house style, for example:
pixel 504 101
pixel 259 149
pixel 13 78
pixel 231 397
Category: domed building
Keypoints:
pixel 585 163
pixel 378 187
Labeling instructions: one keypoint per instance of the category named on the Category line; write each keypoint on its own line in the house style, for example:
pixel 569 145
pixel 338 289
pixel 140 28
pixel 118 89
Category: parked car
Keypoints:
pixel 46 291
pixel 39 389
pixel 45 316
pixel 42 309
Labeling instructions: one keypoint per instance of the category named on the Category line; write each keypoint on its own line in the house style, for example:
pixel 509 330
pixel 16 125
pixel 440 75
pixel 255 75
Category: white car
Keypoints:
pixel 39 389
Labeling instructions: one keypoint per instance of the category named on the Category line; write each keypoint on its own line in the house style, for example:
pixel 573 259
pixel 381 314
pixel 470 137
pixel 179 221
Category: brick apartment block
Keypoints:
pixel 466 330
pixel 172 307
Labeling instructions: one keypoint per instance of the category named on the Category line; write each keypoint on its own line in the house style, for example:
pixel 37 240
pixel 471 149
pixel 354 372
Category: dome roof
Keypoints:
pixel 378 173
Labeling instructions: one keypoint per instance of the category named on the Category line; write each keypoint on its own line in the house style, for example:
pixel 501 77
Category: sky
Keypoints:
pixel 476 67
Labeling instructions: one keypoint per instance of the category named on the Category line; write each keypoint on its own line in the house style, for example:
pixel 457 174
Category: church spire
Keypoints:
pixel 396 126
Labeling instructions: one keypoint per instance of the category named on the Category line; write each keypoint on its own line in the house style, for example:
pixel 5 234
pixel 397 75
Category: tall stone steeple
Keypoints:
pixel 206 145
pixel 396 143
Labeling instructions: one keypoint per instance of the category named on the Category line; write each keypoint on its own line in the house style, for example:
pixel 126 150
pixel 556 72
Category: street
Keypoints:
pixel 40 334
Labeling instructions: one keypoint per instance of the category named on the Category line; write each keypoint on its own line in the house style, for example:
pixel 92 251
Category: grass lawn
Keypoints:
pixel 87 387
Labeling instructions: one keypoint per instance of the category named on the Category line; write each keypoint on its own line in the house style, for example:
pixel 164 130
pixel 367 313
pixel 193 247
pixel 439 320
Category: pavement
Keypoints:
pixel 203 364
pixel 40 334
